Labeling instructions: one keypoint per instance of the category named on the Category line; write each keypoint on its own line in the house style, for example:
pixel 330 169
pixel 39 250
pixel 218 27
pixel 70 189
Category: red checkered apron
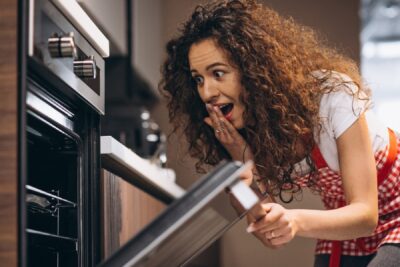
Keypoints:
pixel 330 184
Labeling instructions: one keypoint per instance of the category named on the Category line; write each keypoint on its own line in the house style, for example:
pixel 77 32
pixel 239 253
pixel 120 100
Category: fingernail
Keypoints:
pixel 208 106
pixel 250 229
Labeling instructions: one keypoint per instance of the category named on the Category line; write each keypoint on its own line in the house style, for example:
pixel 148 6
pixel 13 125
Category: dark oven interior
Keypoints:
pixel 60 218
pixel 52 194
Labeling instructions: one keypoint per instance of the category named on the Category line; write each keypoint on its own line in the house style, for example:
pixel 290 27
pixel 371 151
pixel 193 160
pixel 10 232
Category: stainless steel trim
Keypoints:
pixel 142 170
pixel 243 193
pixel 84 24
pixel 62 46
pixel 37 104
pixel 31 28
pixel 85 68
pixel 65 72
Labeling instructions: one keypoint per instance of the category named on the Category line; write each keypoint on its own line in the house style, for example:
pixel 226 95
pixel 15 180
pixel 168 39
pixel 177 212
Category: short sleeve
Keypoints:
pixel 340 108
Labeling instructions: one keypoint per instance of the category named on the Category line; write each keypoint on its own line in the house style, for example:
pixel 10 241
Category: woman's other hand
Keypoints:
pixel 277 228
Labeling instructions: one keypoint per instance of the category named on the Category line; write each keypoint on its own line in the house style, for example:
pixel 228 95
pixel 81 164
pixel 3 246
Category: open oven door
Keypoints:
pixel 191 223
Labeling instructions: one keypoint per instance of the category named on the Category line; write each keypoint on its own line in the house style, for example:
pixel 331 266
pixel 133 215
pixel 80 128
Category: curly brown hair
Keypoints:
pixel 275 58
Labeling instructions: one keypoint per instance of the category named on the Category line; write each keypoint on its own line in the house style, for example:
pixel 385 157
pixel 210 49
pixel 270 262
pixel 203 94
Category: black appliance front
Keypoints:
pixel 60 188
pixel 54 158
pixel 188 226
pixel 64 101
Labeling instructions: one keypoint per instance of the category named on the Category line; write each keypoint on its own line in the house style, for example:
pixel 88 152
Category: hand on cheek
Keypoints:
pixel 227 134
pixel 230 138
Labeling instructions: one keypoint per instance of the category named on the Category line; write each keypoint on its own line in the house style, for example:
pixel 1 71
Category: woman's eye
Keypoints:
pixel 219 73
pixel 198 79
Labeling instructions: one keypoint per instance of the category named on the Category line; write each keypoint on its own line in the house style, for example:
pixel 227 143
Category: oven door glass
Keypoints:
pixel 188 226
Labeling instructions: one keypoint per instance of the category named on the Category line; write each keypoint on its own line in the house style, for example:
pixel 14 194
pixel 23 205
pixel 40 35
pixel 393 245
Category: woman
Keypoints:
pixel 246 84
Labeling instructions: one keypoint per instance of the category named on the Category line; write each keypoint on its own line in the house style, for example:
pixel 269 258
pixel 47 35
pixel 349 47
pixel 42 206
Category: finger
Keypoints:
pixel 267 205
pixel 212 122
pixel 230 128
pixel 275 211
pixel 277 232
pixel 220 124
pixel 261 223
pixel 264 228
pixel 217 131
pixel 274 214
pixel 270 228
pixel 227 124
pixel 265 241
pixel 270 235
pixel 279 241
pixel 215 122
pixel 269 221
pixel 213 115
pixel 208 121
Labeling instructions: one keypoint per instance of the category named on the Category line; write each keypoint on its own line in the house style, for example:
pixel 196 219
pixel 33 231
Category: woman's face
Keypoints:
pixel 218 81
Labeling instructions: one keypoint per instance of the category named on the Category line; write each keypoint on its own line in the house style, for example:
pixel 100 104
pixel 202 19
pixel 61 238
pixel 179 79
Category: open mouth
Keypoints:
pixel 226 109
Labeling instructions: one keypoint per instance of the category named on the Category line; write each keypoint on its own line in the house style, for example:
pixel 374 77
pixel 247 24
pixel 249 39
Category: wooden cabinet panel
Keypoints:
pixel 125 211
pixel 8 133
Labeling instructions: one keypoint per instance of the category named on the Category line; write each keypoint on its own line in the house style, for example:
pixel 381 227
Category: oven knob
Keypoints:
pixel 62 46
pixel 85 68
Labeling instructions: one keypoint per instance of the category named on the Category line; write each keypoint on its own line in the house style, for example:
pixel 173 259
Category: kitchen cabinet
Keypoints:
pixel 9 135
pixel 133 192
pixel 125 210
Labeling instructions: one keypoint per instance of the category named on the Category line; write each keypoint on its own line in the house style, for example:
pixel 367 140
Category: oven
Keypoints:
pixel 64 101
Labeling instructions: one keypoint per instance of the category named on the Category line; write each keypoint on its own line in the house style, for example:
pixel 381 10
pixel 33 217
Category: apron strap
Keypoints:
pixel 334 260
pixel 384 172
pixel 317 157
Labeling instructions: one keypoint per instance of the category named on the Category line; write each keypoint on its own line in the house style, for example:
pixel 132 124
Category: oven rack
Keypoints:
pixel 51 241
pixel 61 202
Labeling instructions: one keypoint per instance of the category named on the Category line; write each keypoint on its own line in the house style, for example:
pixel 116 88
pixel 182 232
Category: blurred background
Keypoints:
pixel 368 31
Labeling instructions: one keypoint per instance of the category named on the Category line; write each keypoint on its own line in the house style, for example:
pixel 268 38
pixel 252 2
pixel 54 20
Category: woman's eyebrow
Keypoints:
pixel 216 64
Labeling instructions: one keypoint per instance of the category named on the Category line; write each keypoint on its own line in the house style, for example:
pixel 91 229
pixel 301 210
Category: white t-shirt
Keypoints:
pixel 338 111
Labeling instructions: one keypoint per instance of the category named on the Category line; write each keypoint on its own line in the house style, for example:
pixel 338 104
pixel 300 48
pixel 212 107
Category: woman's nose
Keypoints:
pixel 209 91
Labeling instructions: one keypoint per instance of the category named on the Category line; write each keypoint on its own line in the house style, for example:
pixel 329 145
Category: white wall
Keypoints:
pixel 110 16
pixel 382 76
pixel 147 39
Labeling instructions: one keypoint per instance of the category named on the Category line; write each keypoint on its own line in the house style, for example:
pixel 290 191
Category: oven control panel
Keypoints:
pixel 64 40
